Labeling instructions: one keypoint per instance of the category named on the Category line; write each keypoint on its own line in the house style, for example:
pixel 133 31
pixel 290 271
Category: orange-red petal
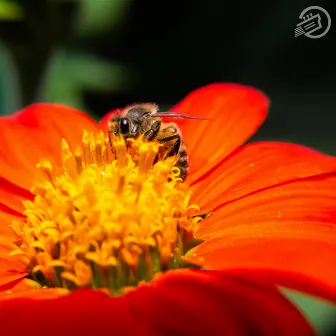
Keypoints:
pixel 287 206
pixel 290 227
pixel 179 303
pixel 256 166
pixel 18 285
pixel 234 111
pixel 11 267
pixel 7 215
pixel 21 291
pixel 35 133
pixel 11 196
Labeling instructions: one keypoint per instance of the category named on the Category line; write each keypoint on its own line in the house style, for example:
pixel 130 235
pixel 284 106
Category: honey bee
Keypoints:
pixel 146 120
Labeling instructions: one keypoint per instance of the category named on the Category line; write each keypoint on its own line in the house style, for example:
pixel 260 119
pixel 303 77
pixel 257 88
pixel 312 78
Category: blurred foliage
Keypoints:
pixel 51 63
pixel 69 73
pixel 96 17
pixel 320 313
pixel 9 85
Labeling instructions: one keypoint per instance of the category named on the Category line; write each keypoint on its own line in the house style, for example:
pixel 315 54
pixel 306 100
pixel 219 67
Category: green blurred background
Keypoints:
pixel 97 55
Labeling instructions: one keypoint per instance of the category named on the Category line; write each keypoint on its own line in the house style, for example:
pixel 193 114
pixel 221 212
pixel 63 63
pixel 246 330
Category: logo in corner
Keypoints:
pixel 315 22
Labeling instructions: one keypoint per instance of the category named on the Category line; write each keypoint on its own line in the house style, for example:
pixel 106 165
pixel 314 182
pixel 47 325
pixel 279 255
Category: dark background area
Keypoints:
pixel 163 50
pixel 97 55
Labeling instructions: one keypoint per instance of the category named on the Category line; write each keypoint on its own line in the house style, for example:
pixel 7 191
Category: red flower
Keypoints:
pixel 181 303
pixel 272 223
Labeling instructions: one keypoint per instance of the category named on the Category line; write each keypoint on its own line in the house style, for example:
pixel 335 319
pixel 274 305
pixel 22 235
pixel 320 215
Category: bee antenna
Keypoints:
pixel 178 115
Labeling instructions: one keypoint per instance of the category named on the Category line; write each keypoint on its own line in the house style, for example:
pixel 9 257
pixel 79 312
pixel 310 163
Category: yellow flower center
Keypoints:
pixel 109 221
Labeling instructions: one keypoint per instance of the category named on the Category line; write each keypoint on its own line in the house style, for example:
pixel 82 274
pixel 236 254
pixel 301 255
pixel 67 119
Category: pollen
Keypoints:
pixel 112 220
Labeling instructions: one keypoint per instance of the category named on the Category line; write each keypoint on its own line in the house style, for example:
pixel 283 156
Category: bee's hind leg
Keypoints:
pixel 175 146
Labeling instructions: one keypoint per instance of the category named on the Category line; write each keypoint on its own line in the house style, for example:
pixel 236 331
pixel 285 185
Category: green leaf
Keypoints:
pixel 320 313
pixel 93 73
pixel 10 96
pixel 68 74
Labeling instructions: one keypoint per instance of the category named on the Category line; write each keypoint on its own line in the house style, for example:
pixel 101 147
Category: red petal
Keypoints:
pixel 291 280
pixel 35 133
pixel 212 303
pixel 11 267
pixel 257 166
pixel 84 312
pixel 235 113
pixel 289 228
pixel 180 303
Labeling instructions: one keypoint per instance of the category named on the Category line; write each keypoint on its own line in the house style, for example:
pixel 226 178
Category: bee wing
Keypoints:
pixel 177 115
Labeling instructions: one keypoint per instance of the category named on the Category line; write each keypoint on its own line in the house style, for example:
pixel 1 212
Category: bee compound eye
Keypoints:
pixel 124 125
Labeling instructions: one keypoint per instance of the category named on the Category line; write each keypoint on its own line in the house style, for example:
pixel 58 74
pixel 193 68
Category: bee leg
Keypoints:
pixel 176 145
pixel 153 131
pixel 111 143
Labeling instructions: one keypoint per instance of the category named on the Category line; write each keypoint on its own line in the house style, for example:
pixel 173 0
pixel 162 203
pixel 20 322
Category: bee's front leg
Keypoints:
pixel 111 143
pixel 153 131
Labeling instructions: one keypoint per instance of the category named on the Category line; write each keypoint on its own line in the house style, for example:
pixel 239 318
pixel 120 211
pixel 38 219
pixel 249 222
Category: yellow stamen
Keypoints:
pixel 108 223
